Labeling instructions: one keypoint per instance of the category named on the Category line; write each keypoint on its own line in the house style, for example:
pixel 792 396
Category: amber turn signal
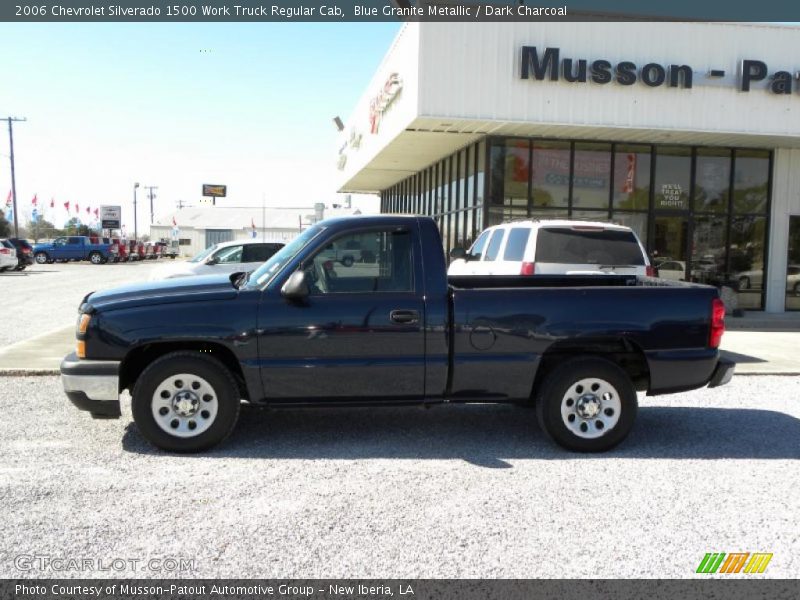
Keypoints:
pixel 83 324
pixel 80 350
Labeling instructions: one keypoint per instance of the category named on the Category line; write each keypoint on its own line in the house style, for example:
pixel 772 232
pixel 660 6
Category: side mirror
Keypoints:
pixel 458 253
pixel 211 260
pixel 296 287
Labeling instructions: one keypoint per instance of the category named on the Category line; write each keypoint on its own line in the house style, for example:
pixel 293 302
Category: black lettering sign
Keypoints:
pixel 752 70
pixel 531 62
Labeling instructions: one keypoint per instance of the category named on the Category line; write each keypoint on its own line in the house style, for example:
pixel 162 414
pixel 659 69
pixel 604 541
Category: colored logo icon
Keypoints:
pixel 735 562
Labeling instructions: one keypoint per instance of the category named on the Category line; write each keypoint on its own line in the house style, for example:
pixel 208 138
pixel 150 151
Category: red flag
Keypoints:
pixel 35 197
pixel 252 223
pixel 52 202
pixel 76 207
pixel 66 205
pixel 174 223
pixel 88 210
pixel 96 213
pixel 8 199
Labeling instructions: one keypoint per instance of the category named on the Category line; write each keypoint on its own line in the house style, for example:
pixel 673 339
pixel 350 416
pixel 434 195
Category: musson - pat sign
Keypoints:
pixel 550 65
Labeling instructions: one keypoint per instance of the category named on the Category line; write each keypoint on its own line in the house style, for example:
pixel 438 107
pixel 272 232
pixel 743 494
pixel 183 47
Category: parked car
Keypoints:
pixel 754 279
pixel 8 255
pixel 24 253
pixel 225 257
pixel 553 247
pixel 674 270
pixel 169 248
pixel 400 331
pixel 75 247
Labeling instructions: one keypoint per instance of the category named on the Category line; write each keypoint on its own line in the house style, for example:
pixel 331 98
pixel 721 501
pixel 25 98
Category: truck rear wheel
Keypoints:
pixel 587 404
pixel 185 402
pixel 41 258
pixel 96 258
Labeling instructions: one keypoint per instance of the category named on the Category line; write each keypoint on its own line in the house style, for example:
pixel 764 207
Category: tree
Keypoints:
pixel 5 226
pixel 75 227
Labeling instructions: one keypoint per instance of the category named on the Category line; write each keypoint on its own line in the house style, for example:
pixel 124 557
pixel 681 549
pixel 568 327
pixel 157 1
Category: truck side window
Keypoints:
pixel 73 240
pixel 377 261
pixel 233 254
pixel 494 245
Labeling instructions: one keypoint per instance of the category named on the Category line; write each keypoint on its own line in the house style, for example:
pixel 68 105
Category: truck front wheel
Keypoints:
pixel 41 258
pixel 587 404
pixel 185 402
pixel 96 258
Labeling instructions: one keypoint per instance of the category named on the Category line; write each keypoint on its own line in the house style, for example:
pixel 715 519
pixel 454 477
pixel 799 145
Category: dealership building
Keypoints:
pixel 689 133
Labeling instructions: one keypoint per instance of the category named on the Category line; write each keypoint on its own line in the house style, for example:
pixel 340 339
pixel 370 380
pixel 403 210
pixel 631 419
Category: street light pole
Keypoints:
pixel 135 231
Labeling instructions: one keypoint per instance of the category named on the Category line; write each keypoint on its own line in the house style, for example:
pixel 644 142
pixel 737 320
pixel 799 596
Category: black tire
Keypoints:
pixel 96 258
pixel 209 369
pixel 41 258
pixel 348 261
pixel 553 396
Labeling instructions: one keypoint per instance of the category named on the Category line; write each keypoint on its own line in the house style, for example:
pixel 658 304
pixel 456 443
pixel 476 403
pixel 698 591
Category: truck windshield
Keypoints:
pixel 265 272
pixel 202 255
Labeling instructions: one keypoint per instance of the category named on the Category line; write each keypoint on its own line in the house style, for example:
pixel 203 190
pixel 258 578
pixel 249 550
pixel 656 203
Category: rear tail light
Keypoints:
pixel 717 323
pixel 528 268
pixel 650 271
pixel 5 251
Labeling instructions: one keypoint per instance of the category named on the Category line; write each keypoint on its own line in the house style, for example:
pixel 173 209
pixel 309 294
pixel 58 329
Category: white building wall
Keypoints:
pixel 785 203
pixel 472 71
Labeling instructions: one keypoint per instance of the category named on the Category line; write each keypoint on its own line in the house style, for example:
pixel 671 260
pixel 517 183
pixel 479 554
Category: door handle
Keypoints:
pixel 404 316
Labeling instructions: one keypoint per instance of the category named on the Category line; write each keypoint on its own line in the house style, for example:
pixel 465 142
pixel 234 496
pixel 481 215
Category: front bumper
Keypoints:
pixel 92 385
pixel 722 373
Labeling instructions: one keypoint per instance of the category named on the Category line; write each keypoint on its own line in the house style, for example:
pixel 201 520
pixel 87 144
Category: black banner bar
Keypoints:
pixel 334 11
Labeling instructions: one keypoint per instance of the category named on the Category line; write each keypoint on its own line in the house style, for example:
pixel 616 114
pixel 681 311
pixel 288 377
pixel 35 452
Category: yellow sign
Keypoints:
pixel 215 191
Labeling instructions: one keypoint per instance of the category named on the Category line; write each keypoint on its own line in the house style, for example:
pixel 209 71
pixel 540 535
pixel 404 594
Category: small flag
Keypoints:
pixel 34 215
pixel 252 223
pixel 76 208
pixel 35 197
pixel 88 210
pixel 66 205
pixel 52 202
pixel 96 213
pixel 174 223
pixel 8 198
pixel 10 213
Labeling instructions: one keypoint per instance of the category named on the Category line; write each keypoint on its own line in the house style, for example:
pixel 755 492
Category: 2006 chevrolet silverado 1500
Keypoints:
pixel 388 329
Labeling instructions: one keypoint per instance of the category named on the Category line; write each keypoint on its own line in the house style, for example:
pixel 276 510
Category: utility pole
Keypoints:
pixel 135 231
pixel 13 180
pixel 151 195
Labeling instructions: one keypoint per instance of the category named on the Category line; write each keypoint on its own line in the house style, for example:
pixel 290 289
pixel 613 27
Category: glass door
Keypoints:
pixel 793 266
pixel 669 246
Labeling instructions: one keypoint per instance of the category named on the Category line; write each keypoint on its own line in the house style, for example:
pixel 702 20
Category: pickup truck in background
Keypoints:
pixel 301 331
pixel 74 247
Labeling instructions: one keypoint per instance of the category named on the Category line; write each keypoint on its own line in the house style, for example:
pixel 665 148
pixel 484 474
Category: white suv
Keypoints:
pixel 553 247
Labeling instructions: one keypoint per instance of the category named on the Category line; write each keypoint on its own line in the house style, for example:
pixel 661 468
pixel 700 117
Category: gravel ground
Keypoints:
pixel 63 285
pixel 461 491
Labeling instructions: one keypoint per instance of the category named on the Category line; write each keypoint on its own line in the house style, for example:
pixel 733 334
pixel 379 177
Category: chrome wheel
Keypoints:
pixel 40 258
pixel 184 405
pixel 591 407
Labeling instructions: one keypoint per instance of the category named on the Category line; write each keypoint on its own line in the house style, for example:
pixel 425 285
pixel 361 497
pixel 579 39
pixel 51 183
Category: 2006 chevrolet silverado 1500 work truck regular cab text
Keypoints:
pixel 390 329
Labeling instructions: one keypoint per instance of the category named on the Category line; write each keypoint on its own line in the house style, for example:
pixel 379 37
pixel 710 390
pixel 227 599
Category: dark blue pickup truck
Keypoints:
pixel 390 329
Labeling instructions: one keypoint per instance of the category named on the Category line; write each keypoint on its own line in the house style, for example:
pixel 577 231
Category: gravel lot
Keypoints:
pixel 62 286
pixel 462 491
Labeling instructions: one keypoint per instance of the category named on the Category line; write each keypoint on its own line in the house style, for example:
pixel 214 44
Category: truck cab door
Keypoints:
pixel 359 335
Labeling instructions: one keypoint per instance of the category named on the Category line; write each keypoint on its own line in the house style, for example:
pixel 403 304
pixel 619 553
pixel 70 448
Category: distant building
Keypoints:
pixel 197 228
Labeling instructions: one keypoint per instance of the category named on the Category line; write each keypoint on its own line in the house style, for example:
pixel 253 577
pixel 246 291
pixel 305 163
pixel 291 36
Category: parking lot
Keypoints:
pixel 454 491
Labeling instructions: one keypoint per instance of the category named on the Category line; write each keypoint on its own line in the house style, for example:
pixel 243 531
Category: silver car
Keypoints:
pixel 225 257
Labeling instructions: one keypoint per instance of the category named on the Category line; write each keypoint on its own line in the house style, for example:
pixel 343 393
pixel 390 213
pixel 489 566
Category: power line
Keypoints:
pixel 12 120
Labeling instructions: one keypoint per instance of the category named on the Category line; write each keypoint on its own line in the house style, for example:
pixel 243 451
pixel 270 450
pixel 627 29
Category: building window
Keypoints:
pixel 591 176
pixel 510 175
pixel 631 177
pixel 184 242
pixel 673 178
pixel 551 174
pixel 793 266
pixel 747 264
pixel 751 181
pixel 712 180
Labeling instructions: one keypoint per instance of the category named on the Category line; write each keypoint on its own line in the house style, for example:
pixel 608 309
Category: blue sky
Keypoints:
pixel 178 105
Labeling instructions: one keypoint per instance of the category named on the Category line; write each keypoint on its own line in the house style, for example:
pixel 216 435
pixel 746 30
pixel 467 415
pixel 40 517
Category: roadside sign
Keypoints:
pixel 214 191
pixel 110 217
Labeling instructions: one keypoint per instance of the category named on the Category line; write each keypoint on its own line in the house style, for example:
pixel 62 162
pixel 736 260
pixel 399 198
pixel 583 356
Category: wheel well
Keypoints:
pixel 622 352
pixel 139 358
